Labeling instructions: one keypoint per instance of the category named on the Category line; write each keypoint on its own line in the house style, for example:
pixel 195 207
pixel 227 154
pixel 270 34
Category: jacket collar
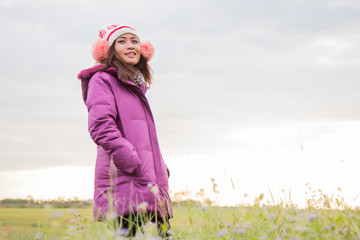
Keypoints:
pixel 86 74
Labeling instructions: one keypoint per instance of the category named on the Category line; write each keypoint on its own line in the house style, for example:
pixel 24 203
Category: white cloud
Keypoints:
pixel 48 183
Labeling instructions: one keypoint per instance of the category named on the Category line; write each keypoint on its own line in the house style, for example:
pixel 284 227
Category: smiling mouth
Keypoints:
pixel 130 54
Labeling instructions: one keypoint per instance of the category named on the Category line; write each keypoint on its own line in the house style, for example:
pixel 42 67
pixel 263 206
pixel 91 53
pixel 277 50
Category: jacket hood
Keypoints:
pixel 86 74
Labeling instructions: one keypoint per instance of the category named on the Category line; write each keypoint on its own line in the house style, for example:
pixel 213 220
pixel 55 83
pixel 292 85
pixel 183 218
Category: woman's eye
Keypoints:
pixel 121 41
pixel 135 41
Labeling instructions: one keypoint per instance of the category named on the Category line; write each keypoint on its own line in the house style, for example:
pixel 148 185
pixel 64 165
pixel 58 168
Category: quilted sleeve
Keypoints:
pixel 102 126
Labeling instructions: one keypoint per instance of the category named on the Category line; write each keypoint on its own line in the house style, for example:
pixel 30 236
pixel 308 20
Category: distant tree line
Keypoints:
pixel 69 203
pixel 29 202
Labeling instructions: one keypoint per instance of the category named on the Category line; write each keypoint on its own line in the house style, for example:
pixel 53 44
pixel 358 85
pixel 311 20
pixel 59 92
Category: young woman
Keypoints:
pixel 131 178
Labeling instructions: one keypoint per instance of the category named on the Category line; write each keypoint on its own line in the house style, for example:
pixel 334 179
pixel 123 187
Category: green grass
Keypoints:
pixel 190 222
pixel 26 223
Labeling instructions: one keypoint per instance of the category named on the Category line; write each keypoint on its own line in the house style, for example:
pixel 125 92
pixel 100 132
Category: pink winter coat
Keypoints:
pixel 129 163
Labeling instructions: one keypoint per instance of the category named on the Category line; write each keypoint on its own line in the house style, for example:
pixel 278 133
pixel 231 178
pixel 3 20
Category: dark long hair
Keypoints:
pixel 125 70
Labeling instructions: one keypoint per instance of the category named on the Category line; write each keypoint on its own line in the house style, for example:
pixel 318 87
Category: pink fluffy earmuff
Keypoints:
pixel 101 47
pixel 147 50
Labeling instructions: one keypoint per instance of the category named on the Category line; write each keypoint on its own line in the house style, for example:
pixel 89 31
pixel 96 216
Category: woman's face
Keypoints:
pixel 127 48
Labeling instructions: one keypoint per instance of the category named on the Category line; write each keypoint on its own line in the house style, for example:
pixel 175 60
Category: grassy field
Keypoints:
pixel 190 222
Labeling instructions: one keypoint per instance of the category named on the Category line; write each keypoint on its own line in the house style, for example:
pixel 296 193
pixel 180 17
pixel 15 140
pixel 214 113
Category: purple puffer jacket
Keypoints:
pixel 129 163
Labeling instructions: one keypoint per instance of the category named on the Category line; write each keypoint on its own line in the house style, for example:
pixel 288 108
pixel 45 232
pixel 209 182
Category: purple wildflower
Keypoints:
pixel 221 233
pixel 312 216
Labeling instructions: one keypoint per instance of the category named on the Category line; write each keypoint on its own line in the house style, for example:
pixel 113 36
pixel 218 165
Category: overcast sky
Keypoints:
pixel 230 78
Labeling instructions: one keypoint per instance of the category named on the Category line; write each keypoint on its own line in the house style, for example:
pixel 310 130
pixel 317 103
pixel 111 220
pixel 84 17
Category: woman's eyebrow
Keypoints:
pixel 133 37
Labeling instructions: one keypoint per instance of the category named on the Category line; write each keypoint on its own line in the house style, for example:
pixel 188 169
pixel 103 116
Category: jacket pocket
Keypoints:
pixel 146 173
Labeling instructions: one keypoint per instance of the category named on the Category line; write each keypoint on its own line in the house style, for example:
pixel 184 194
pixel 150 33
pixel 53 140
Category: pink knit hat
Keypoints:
pixel 109 33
